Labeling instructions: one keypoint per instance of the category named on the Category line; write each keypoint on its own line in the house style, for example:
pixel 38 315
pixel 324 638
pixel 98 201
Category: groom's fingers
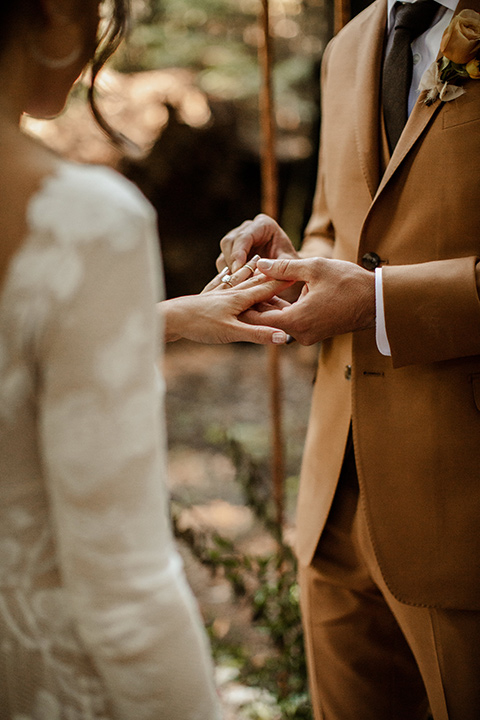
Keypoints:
pixel 261 291
pixel 220 263
pixel 274 303
pixel 288 270
pixel 236 245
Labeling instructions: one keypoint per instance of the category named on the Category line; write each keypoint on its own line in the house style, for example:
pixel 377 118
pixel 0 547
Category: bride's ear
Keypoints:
pixel 59 43
pixel 62 38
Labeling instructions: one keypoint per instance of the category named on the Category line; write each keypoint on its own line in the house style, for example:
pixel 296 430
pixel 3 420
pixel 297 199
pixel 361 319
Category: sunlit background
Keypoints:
pixel 185 89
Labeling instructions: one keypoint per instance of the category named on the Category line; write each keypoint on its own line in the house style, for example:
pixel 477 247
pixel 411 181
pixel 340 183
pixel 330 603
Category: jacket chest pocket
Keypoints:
pixel 463 110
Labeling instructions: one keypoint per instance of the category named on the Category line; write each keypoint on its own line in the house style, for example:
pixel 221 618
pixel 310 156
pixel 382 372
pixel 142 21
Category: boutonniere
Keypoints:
pixel 460 48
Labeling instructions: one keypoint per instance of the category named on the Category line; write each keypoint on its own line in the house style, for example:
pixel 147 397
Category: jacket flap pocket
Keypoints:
pixel 463 110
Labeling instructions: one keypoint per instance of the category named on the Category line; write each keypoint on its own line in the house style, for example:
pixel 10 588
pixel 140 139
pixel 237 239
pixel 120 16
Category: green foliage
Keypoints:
pixel 268 583
pixel 218 40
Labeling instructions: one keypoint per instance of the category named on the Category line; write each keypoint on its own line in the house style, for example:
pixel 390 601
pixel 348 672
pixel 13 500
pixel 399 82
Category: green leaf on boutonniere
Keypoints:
pixel 451 71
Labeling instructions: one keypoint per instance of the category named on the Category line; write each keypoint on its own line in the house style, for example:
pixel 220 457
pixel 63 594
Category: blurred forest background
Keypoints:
pixel 185 89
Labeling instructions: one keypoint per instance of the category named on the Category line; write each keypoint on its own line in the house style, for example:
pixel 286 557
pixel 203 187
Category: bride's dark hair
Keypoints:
pixel 111 35
pixel 109 40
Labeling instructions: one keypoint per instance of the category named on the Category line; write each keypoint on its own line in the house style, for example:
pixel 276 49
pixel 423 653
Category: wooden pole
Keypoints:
pixel 270 207
pixel 267 121
pixel 341 14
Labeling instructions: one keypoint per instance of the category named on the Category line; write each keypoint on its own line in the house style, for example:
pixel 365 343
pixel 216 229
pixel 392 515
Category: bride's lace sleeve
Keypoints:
pixel 103 449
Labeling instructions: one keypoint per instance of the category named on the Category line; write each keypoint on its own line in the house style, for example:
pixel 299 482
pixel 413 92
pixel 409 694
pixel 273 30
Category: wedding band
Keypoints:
pixel 252 270
pixel 228 282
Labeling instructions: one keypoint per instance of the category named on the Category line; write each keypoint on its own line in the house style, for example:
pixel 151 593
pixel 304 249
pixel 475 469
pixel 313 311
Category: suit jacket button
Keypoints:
pixel 348 372
pixel 371 260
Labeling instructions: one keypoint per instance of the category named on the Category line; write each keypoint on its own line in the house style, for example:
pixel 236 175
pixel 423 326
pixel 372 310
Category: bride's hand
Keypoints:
pixel 225 280
pixel 214 316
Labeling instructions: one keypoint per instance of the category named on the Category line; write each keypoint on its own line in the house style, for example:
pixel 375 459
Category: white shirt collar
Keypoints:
pixel 448 4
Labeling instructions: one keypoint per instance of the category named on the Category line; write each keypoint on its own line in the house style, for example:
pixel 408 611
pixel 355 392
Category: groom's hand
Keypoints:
pixel 337 297
pixel 262 236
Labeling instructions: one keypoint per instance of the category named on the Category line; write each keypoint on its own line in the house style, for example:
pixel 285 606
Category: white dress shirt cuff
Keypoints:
pixel 380 328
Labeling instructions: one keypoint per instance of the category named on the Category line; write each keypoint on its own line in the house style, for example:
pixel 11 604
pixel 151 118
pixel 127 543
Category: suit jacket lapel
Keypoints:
pixel 417 122
pixel 419 118
pixel 370 56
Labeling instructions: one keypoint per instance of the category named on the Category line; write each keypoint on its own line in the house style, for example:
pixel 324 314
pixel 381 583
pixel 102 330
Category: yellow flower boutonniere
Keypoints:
pixel 460 61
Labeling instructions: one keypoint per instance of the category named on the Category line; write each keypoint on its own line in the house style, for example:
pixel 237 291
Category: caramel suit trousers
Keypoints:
pixel 371 657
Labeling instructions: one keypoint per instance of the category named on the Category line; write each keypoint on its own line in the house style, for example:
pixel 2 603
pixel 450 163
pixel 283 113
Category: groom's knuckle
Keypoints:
pixel 262 218
pixel 283 265
pixel 303 332
pixel 226 241
pixel 265 223
pixel 317 267
pixel 305 338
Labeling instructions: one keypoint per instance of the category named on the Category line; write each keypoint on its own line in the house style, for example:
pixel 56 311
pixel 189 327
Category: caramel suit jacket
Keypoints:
pixel 415 415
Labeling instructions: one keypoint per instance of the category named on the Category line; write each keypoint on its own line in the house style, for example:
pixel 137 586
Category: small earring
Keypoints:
pixel 55 63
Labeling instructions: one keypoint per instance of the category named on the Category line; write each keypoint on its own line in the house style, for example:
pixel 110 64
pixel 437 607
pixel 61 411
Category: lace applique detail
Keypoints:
pixel 58 681
pixel 96 620
pixel 82 420
pixel 83 203
pixel 117 361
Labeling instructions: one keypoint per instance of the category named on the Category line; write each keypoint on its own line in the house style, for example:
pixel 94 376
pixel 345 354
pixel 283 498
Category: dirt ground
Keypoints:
pixel 212 390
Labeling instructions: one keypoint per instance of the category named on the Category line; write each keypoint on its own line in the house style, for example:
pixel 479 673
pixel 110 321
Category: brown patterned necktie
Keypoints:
pixel 411 20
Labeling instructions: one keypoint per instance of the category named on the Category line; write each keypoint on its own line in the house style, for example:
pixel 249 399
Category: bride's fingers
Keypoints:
pixel 272 317
pixel 215 282
pixel 238 287
pixel 259 334
pixel 244 276
pixel 244 273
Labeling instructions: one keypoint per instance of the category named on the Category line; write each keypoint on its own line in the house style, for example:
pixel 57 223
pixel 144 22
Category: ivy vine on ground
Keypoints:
pixel 268 583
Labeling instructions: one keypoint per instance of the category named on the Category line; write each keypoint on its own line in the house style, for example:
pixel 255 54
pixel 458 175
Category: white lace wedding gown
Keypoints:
pixel 96 619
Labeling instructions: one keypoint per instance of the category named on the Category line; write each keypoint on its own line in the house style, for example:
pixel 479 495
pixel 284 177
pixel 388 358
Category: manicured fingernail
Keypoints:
pixel 279 338
pixel 224 272
pixel 264 264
